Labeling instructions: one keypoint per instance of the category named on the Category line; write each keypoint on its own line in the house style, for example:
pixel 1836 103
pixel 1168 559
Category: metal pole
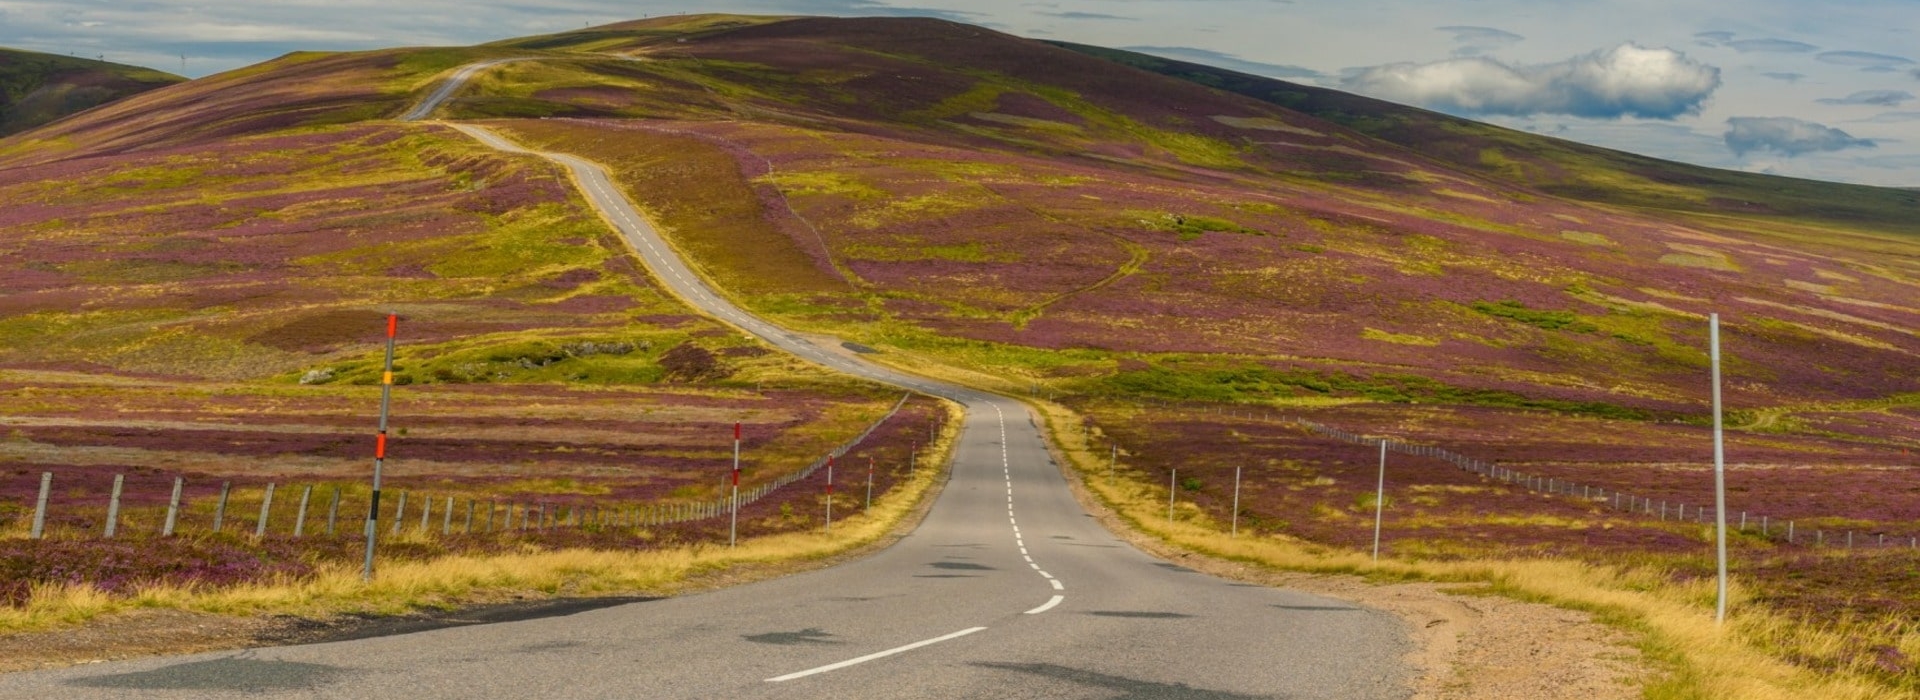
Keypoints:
pixel 1236 503
pixel 40 506
pixel 1380 500
pixel 733 522
pixel 1719 477
pixel 446 518
pixel 113 505
pixel 1173 482
pixel 1113 460
pixel 380 449
pixel 173 508
pixel 869 505
pixel 829 493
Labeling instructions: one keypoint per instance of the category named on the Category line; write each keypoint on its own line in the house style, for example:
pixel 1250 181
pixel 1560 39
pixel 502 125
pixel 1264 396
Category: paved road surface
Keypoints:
pixel 1007 590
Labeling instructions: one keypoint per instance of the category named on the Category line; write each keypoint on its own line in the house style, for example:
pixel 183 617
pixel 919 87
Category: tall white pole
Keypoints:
pixel 733 526
pixel 1719 475
pixel 1173 482
pixel 1380 500
pixel 1236 502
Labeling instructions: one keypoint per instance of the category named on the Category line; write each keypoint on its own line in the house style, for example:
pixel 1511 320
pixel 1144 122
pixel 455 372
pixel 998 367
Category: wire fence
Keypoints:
pixel 1752 524
pixel 318 508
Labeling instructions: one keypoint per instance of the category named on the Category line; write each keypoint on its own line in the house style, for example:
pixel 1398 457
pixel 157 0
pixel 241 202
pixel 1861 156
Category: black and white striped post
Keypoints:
pixel 380 449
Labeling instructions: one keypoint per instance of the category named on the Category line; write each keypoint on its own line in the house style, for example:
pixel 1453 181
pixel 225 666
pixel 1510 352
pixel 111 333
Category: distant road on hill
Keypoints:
pixel 1008 589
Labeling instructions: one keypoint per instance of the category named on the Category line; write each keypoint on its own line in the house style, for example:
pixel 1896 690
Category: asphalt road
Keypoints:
pixel 1008 589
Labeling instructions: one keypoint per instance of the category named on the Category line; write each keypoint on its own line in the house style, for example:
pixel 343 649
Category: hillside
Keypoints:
pixel 933 187
pixel 37 88
pixel 1556 166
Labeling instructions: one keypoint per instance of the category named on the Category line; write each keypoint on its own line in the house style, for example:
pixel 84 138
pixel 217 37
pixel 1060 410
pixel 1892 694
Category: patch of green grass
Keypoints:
pixel 529 242
pixel 1397 338
pixel 818 183
pixel 1545 320
pixel 1190 227
pixel 1251 384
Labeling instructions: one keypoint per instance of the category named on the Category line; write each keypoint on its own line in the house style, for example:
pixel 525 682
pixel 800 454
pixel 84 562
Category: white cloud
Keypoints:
pixel 1787 136
pixel 1626 80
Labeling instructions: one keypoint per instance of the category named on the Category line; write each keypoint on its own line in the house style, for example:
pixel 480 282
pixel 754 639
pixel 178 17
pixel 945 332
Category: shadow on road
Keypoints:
pixel 1130 688
pixel 233 674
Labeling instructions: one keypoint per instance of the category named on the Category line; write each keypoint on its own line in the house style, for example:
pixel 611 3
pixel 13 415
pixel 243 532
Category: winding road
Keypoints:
pixel 1008 589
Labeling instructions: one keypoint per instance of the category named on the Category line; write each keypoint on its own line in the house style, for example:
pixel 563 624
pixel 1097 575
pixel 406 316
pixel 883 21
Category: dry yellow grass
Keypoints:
pixel 1745 660
pixel 400 586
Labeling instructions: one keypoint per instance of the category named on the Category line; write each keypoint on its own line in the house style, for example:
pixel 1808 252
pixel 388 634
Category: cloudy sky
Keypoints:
pixel 1796 87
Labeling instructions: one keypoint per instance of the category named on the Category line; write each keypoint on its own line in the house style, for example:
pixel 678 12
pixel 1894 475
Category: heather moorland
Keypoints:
pixel 1173 258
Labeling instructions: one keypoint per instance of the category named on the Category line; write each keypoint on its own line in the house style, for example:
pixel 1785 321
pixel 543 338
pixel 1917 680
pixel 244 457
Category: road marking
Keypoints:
pixel 889 652
pixel 1056 584
pixel 1048 605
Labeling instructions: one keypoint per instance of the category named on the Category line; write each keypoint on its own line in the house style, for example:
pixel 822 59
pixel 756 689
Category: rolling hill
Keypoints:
pixel 37 88
pixel 936 188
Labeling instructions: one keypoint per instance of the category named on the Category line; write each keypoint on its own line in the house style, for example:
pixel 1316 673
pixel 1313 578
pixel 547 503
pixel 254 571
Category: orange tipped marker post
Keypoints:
pixel 380 447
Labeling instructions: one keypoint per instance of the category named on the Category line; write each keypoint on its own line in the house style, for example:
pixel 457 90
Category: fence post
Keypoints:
pixel 469 515
pixel 1173 482
pixel 266 512
pixel 40 506
pixel 490 508
pixel 426 511
pixel 173 507
pixel 300 518
pixel 220 509
pixel 333 510
pixel 399 513
pixel 113 505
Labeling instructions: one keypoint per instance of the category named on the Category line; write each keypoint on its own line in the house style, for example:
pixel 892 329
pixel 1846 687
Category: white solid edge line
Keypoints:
pixel 1048 605
pixel 887 653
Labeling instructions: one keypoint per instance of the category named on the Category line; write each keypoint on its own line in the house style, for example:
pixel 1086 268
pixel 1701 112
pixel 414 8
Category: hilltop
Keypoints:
pixel 37 88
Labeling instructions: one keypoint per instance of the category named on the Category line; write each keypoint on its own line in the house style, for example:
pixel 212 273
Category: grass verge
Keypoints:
pixel 1672 621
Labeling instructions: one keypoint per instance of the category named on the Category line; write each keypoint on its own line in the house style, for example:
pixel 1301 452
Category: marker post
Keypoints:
pixel 829 527
pixel 1719 479
pixel 380 448
pixel 733 527
pixel 1380 500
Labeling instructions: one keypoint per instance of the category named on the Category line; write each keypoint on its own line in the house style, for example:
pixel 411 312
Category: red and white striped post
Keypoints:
pixel 733 527
pixel 380 447
pixel 829 527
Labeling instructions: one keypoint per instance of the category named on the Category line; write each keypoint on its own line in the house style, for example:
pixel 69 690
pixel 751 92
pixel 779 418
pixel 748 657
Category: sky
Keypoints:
pixel 1822 89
